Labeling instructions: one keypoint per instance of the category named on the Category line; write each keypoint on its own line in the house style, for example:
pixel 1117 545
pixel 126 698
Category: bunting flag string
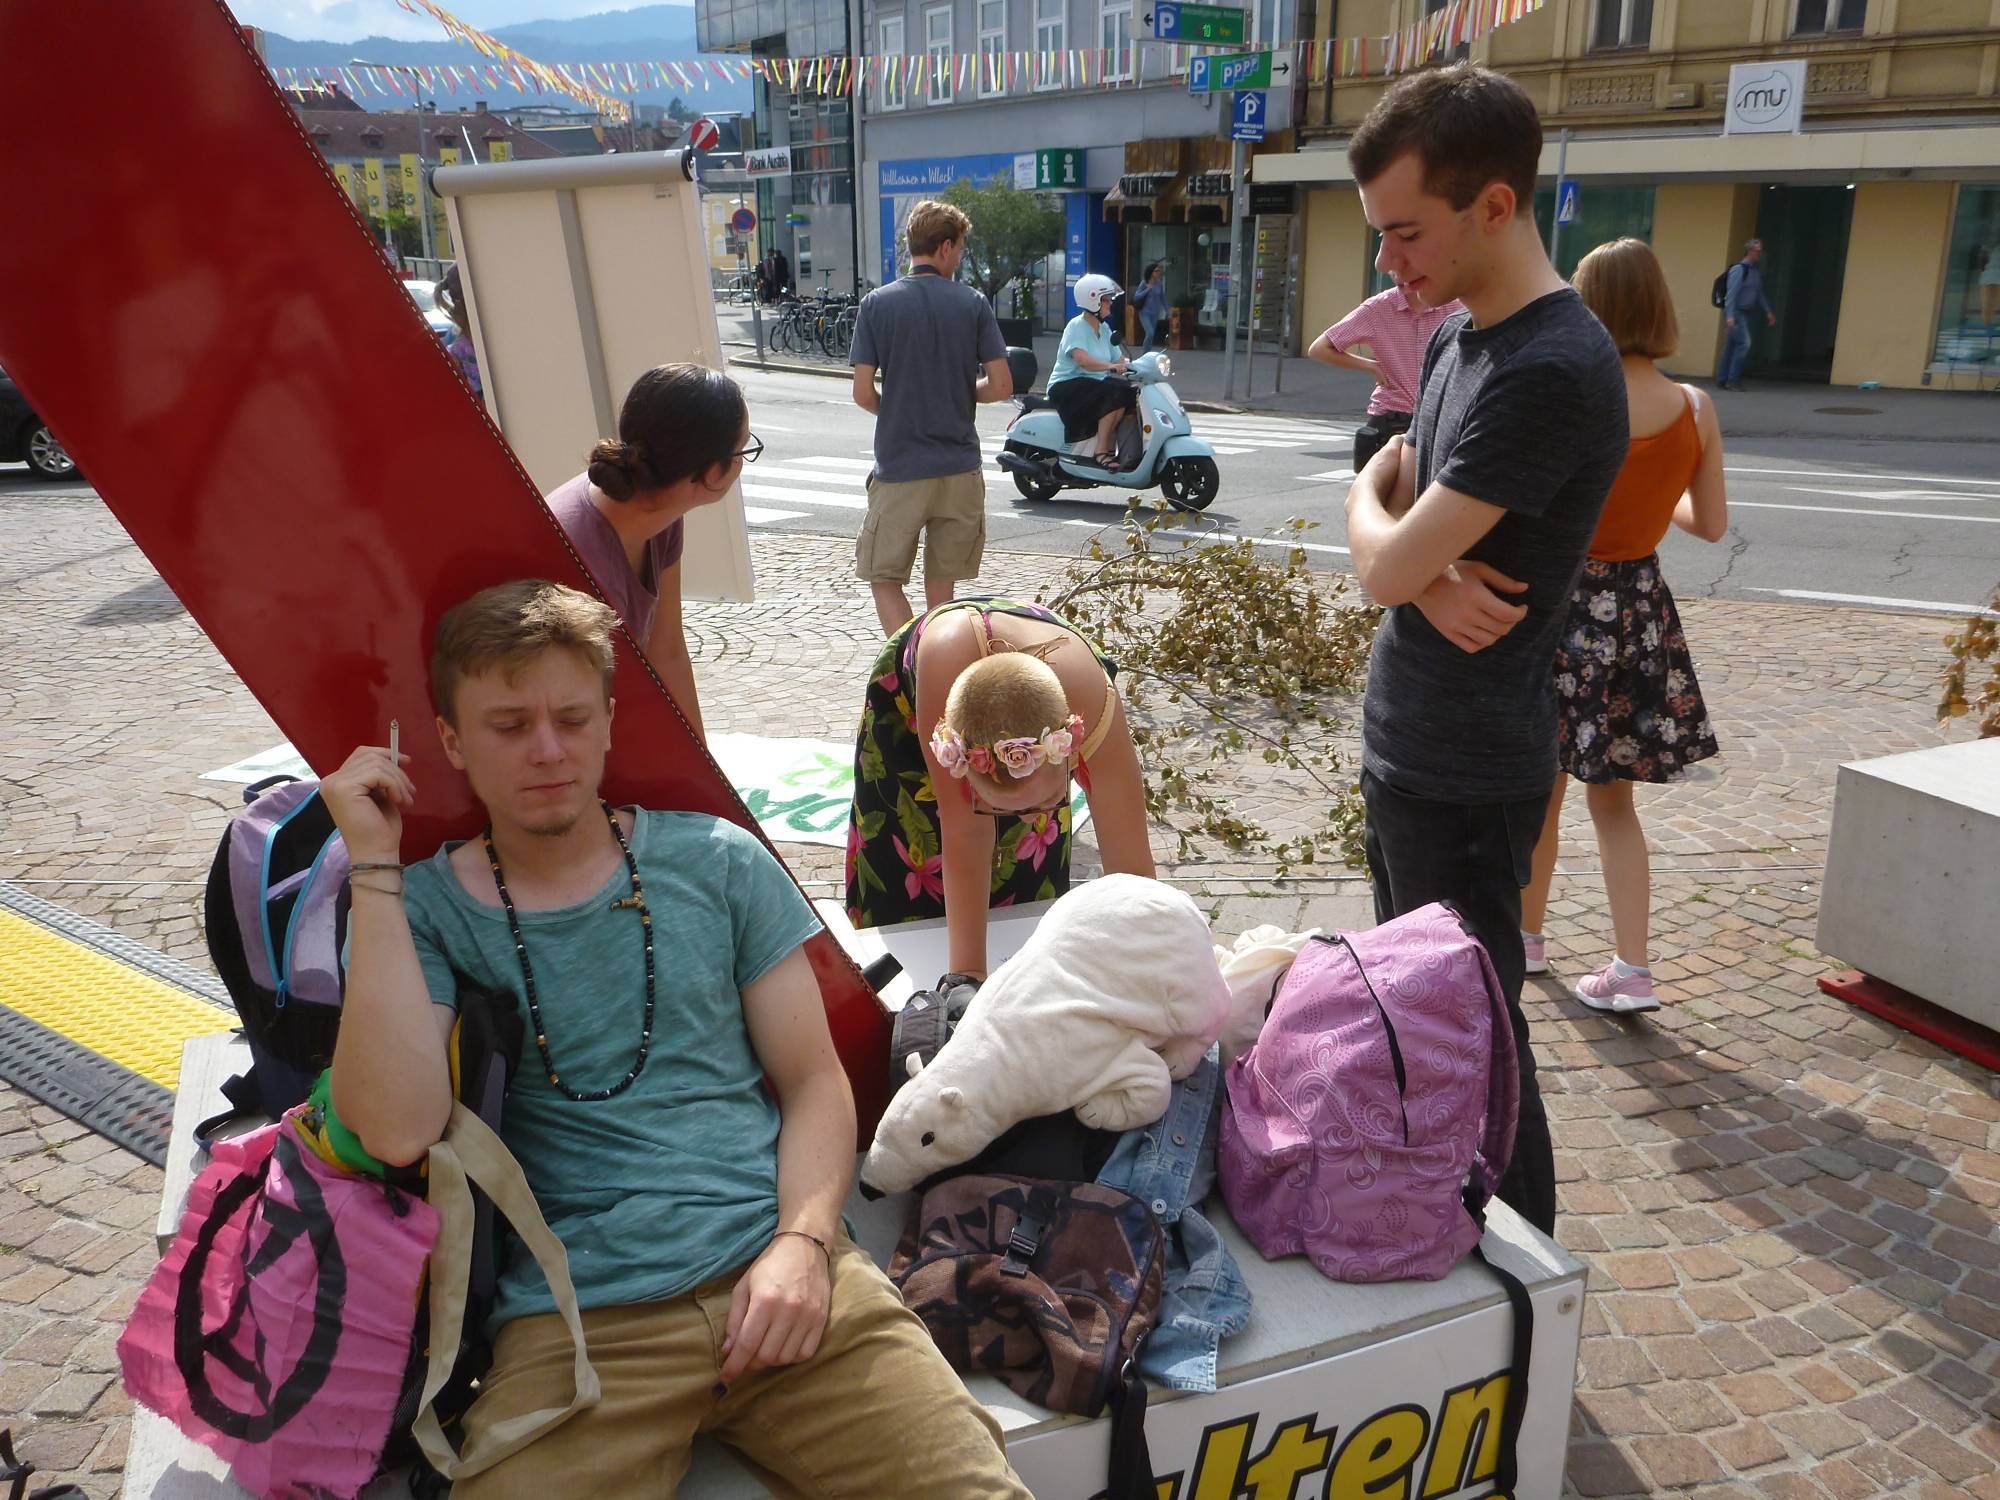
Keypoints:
pixel 895 76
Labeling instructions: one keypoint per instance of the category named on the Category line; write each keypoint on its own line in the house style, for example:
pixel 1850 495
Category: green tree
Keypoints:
pixel 1012 231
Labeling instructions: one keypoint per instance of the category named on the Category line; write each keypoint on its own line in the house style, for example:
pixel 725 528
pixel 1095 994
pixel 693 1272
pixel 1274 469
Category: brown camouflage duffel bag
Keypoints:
pixel 1050 1287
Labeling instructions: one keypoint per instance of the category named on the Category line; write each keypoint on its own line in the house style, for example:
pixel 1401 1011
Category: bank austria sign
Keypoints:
pixel 1765 98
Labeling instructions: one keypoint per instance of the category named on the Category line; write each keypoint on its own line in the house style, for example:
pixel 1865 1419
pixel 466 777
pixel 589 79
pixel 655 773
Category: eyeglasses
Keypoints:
pixel 749 453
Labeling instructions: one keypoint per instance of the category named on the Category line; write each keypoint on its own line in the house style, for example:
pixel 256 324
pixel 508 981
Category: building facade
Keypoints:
pixel 1880 217
pixel 1068 97
pixel 802 131
pixel 378 157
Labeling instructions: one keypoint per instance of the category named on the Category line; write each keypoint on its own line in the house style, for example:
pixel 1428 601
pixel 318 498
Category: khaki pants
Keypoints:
pixel 949 513
pixel 875 1414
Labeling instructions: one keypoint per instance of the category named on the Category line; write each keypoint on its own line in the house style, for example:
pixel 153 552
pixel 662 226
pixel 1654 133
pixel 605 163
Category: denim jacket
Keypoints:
pixel 1170 1165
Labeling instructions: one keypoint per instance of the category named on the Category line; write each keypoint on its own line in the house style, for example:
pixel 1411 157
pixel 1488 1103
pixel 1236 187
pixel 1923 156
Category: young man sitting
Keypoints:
pixel 657 959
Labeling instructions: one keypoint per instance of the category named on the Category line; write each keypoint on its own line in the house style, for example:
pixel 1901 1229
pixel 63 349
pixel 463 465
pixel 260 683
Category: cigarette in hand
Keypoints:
pixel 395 735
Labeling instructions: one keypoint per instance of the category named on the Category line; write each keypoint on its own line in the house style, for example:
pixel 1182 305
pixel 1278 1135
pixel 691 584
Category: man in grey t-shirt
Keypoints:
pixel 937 347
pixel 1473 531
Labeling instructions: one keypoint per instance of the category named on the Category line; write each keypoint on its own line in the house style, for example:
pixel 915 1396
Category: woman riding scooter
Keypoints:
pixel 1088 353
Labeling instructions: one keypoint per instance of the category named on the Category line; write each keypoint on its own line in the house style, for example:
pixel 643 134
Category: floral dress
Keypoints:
pixel 895 858
pixel 1628 705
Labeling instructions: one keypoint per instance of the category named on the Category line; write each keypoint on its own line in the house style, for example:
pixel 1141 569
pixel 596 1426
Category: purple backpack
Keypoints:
pixel 1382 1087
pixel 1370 1123
pixel 276 914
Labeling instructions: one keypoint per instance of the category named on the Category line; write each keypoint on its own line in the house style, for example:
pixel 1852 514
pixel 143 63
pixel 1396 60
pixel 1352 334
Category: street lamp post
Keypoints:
pixel 423 180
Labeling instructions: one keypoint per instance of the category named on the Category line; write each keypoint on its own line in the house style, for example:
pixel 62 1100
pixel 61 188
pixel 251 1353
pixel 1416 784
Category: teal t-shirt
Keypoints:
pixel 675 1180
pixel 1079 336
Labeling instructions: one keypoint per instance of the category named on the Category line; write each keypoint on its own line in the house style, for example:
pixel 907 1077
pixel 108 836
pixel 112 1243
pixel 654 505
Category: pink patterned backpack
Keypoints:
pixel 1370 1123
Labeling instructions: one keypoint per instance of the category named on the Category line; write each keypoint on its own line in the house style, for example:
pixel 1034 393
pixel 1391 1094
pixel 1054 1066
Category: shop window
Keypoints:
pixel 937 51
pixel 1968 327
pixel 992 48
pixel 1603 214
pixel 1622 23
pixel 892 94
pixel 1050 28
pixel 1818 16
pixel 1115 37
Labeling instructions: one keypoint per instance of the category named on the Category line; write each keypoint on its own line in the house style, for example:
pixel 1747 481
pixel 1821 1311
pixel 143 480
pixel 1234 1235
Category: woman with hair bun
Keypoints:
pixel 683 437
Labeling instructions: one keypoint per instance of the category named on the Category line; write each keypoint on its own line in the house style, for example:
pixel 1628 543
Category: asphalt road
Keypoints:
pixel 1883 523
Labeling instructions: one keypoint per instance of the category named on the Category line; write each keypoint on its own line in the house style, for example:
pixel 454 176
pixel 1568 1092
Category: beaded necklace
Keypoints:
pixel 638 900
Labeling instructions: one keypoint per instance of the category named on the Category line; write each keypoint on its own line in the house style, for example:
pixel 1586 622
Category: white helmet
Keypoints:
pixel 1091 291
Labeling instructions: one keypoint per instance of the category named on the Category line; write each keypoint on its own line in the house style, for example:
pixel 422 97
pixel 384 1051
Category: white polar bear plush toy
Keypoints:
pixel 1117 994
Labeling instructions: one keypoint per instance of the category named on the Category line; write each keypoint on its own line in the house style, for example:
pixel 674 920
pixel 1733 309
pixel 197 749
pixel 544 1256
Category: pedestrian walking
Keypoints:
pixel 937 348
pixel 451 297
pixel 1149 301
pixel 1742 296
pixel 1628 707
pixel 1395 329
pixel 683 438
pixel 1518 431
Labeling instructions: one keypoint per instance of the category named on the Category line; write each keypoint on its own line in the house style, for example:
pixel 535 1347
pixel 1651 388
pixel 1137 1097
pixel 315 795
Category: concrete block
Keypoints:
pixel 1913 875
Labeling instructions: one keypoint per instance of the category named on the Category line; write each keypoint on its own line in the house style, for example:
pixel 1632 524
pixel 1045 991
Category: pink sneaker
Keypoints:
pixel 1621 994
pixel 1537 948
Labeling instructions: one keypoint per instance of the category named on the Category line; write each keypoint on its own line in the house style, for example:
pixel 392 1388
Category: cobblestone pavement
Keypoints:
pixel 1788 1207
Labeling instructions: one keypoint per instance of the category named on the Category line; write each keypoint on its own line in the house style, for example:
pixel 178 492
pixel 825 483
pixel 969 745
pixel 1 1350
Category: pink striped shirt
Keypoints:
pixel 1397 331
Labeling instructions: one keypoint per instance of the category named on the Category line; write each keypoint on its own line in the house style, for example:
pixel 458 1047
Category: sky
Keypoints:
pixel 348 20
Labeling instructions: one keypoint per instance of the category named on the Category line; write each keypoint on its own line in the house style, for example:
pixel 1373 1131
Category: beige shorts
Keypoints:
pixel 950 515
pixel 875 1412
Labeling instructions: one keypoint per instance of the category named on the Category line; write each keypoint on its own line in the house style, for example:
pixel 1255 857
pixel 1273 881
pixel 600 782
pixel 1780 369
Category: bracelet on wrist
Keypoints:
pixel 356 883
pixel 389 865
pixel 824 1248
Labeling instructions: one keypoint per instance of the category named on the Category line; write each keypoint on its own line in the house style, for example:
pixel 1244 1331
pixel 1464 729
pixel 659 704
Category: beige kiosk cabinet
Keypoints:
pixel 581 275
pixel 1331 1391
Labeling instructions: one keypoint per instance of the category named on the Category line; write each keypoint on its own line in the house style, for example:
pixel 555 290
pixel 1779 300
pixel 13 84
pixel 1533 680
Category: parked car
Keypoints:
pixel 424 294
pixel 25 437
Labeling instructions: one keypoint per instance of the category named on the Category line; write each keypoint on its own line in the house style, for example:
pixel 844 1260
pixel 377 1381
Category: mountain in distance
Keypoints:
pixel 651 33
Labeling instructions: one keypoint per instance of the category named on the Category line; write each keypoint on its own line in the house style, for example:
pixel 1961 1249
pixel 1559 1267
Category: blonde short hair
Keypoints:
pixel 932 224
pixel 1623 284
pixel 1006 696
pixel 509 625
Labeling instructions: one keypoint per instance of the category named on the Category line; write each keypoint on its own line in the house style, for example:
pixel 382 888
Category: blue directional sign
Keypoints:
pixel 1246 123
pixel 1569 201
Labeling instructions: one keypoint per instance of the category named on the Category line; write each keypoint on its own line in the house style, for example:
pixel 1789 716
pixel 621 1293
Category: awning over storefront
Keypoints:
pixel 1146 197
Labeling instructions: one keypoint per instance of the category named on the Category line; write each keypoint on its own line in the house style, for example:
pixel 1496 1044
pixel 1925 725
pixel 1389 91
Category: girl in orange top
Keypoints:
pixel 1629 709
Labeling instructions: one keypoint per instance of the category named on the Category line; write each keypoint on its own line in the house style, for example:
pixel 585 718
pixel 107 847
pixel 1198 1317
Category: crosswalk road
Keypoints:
pixel 783 488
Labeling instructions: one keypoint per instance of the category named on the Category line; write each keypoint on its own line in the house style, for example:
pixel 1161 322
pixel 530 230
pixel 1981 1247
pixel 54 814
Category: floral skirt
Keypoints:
pixel 895 863
pixel 1628 707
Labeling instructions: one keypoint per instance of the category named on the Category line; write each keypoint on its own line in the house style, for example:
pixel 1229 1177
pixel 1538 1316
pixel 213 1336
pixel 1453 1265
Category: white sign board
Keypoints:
pixel 1024 171
pixel 1765 98
pixel 581 274
pixel 769 161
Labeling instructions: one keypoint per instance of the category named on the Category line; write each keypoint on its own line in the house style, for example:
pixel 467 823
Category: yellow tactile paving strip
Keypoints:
pixel 117 1011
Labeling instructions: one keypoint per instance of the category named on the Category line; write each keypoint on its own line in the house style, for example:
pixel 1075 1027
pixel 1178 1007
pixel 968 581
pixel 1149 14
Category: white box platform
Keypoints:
pixel 1398 1363
pixel 1912 889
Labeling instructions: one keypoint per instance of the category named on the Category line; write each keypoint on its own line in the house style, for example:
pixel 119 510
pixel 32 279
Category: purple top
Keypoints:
pixel 636 596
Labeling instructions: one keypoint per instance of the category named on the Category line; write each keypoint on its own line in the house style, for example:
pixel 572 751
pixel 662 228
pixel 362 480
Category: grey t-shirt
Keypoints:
pixel 929 336
pixel 1528 415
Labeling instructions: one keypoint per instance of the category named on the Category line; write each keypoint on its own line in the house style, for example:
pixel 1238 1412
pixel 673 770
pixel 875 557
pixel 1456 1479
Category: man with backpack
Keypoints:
pixel 657 960
pixel 1472 532
pixel 1742 294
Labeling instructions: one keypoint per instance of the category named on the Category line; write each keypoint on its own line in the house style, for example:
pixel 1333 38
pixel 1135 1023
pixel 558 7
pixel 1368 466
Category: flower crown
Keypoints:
pixel 1020 758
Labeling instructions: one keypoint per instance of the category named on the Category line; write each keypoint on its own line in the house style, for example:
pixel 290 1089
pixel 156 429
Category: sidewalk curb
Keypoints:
pixel 786 367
